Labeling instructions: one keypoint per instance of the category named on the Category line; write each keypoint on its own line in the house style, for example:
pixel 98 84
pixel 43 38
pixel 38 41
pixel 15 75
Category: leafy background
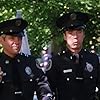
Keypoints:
pixel 41 16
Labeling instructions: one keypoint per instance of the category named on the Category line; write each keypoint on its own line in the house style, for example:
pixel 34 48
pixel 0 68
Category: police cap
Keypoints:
pixel 13 27
pixel 73 20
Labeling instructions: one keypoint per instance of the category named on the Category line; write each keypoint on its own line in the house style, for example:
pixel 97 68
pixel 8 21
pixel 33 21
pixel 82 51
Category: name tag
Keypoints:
pixel 67 71
pixel 79 78
pixel 18 92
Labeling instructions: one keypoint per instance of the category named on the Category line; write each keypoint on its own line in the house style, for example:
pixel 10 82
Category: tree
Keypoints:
pixel 42 14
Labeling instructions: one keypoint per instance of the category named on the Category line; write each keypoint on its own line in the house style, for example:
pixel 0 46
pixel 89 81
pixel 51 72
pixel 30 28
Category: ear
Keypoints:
pixel 64 35
pixel 84 36
pixel 1 39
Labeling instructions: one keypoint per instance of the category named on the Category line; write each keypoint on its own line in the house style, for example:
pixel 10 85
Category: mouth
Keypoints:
pixel 15 47
pixel 75 43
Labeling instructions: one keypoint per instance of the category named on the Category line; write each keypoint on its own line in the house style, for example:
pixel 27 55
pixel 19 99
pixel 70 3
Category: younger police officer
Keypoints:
pixel 75 72
pixel 19 76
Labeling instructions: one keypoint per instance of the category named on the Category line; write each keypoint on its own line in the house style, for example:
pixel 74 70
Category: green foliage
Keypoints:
pixel 42 14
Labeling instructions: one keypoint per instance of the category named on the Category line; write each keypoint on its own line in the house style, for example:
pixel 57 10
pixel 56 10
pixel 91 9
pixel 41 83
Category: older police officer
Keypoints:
pixel 75 72
pixel 19 75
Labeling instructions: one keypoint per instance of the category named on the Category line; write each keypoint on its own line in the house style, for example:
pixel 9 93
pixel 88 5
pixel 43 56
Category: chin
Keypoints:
pixel 16 51
pixel 75 48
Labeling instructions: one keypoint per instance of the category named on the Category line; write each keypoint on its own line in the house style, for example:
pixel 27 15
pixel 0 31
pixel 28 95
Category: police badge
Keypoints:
pixel 89 67
pixel 73 16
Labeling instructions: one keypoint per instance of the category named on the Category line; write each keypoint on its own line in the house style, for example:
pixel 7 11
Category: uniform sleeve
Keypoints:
pixel 40 82
pixel 98 79
pixel 43 90
pixel 52 75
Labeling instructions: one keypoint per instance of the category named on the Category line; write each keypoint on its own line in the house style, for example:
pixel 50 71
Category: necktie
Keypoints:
pixel 78 66
pixel 76 58
pixel 15 75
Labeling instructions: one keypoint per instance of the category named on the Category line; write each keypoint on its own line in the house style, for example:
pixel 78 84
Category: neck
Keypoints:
pixel 75 51
pixel 10 55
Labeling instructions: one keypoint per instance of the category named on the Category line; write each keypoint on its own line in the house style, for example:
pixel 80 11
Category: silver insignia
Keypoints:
pixel 18 60
pixel 73 16
pixel 28 70
pixel 45 66
pixel 7 62
pixel 89 67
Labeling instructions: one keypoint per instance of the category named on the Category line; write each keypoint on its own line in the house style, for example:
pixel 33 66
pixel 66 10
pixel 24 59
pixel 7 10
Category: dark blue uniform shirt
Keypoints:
pixel 21 78
pixel 72 80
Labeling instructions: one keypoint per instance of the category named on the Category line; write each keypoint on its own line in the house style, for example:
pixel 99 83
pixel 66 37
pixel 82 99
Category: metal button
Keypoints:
pixel 31 80
pixel 68 79
pixel 10 30
pixel 91 77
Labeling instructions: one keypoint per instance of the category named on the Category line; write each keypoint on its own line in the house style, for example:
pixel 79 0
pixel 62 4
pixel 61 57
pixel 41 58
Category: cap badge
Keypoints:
pixel 89 67
pixel 73 16
pixel 18 22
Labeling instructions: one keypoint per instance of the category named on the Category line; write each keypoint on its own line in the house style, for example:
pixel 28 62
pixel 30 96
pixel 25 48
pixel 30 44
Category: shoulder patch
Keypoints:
pixel 45 66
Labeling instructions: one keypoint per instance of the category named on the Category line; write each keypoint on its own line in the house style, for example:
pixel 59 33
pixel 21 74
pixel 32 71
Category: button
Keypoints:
pixel 18 60
pixel 31 80
pixel 11 30
pixel 63 51
pixel 6 61
pixel 2 82
pixel 68 79
pixel 1 31
pixel 71 57
pixel 91 77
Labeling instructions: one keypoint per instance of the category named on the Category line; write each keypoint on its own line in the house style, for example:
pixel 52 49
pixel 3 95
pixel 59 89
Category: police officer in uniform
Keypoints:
pixel 19 75
pixel 75 72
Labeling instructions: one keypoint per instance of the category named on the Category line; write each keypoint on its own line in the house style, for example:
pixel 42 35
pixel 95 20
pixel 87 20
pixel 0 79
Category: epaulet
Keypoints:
pixel 85 50
pixel 61 53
